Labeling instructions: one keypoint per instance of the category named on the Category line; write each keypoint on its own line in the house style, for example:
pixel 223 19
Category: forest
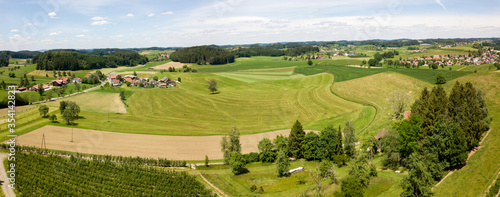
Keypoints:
pixel 273 52
pixel 65 60
pixel 203 55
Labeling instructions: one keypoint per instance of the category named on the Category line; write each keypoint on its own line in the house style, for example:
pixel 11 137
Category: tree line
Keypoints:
pixel 64 60
pixel 203 55
pixel 273 52
pixel 440 132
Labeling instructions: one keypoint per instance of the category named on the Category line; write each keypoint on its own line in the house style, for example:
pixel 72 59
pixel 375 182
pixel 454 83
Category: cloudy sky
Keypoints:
pixel 82 24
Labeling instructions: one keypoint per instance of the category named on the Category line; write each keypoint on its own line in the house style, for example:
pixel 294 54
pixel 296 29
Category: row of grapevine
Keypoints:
pixel 51 175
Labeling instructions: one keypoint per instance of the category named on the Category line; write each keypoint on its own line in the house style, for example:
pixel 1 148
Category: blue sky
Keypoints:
pixel 50 24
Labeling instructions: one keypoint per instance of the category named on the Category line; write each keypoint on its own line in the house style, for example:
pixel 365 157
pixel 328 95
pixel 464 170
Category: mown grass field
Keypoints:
pixel 252 107
pixel 375 90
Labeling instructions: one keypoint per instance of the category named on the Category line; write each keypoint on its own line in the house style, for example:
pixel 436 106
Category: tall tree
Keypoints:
pixel 71 112
pixel 230 144
pixel 419 181
pixel 212 85
pixel 43 109
pixel 349 139
pixel 266 150
pixel 282 163
pixel 328 143
pixel 281 143
pixel 237 163
pixel 295 140
pixel 310 148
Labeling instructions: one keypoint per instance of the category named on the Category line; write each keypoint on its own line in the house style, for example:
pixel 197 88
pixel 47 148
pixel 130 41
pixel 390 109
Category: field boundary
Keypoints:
pixel 213 186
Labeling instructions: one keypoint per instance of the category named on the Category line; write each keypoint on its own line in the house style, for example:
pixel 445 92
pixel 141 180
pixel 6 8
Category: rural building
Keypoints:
pixel 163 85
pixel 58 82
pixel 21 89
pixel 76 80
pixel 116 82
pixel 407 115
pixel 64 79
pixel 35 88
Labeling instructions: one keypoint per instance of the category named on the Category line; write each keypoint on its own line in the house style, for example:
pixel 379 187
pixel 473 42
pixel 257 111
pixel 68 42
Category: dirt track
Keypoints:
pixel 153 146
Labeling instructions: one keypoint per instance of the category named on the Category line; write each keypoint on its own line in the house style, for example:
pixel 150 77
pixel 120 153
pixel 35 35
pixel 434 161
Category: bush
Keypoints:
pixel 440 79
pixel 251 157
pixel 340 160
pixel 301 179
pixel 253 188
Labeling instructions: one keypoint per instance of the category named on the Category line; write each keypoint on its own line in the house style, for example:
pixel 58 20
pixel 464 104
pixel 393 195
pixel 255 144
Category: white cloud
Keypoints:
pixel 167 13
pixel 97 18
pixel 52 15
pixel 14 30
pixel 80 36
pixel 130 15
pixel 116 37
pixel 151 15
pixel 103 22
pixel 54 33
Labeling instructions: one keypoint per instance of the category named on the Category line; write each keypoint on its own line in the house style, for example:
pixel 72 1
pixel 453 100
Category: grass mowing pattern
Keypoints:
pixel 39 175
pixel 252 107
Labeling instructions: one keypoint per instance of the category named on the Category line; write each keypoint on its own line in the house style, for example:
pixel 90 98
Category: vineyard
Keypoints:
pixel 50 175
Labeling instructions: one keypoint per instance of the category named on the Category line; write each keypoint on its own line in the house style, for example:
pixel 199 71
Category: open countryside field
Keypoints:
pixel 136 145
pixel 251 107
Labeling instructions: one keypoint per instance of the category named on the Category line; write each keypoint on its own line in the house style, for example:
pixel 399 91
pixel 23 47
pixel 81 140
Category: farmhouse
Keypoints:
pixel 58 82
pixel 76 80
pixel 64 79
pixel 35 88
pixel 116 82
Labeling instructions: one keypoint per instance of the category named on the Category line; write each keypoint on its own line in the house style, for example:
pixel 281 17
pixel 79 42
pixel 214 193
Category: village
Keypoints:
pixel 448 60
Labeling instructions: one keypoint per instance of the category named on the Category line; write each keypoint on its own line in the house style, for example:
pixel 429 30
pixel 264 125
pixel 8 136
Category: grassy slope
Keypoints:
pixel 20 73
pixel 483 166
pixel 375 89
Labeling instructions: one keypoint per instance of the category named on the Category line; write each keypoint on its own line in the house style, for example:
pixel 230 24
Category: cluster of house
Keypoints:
pixel 60 81
pixel 164 82
pixel 485 58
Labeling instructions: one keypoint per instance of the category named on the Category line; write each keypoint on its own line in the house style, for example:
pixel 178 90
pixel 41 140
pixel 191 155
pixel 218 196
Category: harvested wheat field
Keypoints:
pixel 152 146
pixel 169 64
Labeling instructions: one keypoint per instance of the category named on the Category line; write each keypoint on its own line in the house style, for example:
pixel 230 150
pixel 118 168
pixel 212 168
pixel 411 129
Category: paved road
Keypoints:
pixel 7 191
pixel 76 93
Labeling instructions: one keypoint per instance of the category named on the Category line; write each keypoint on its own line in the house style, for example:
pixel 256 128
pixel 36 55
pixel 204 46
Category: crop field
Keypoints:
pixel 135 145
pixel 39 175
